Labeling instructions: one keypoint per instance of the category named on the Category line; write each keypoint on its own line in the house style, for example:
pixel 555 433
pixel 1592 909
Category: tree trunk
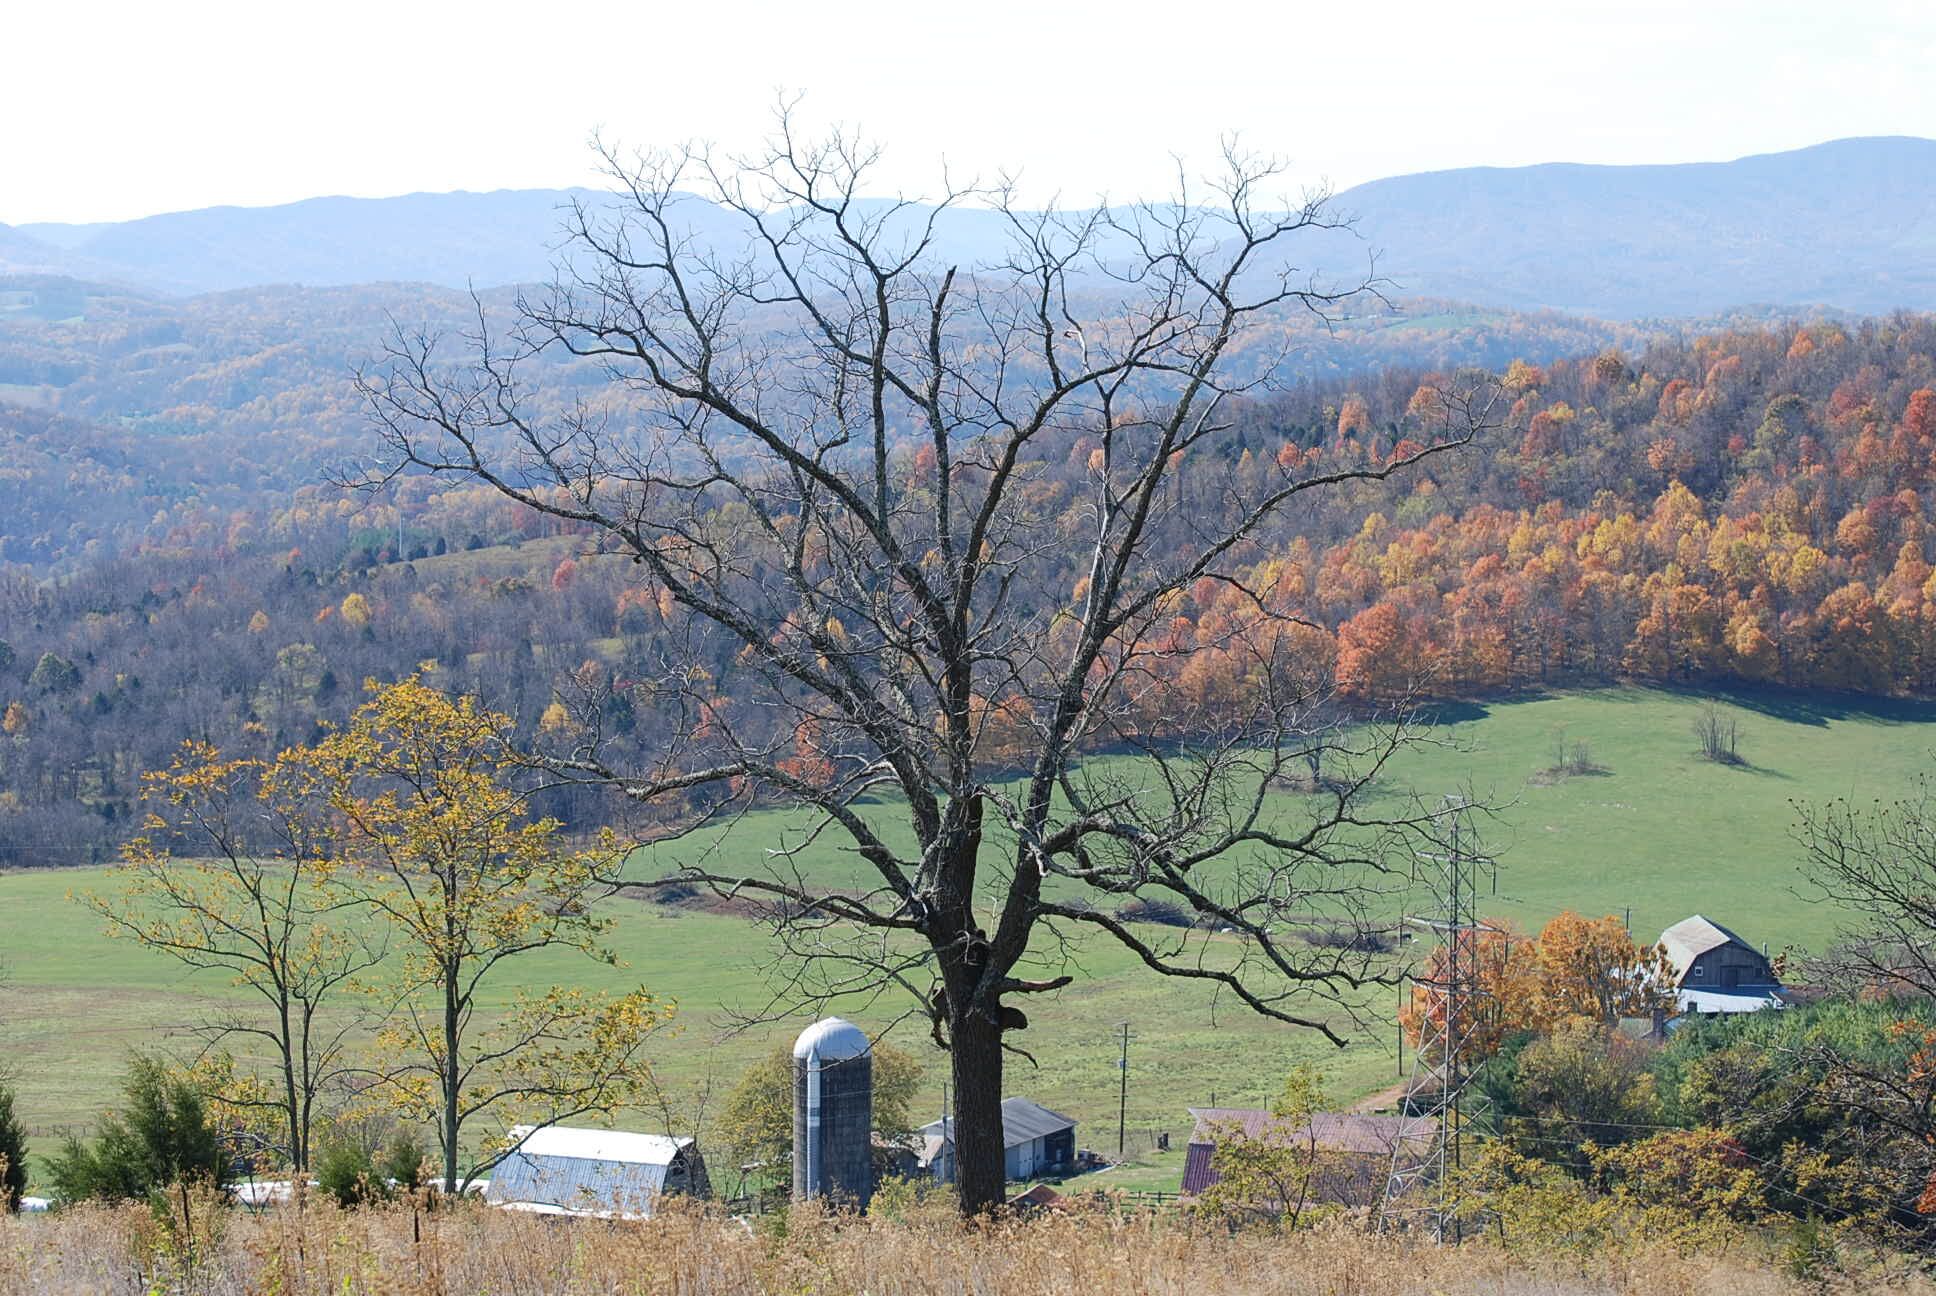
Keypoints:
pixel 298 1144
pixel 449 1078
pixel 976 1060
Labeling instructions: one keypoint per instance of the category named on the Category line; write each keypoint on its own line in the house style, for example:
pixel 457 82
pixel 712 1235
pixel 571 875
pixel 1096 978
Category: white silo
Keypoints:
pixel 833 1113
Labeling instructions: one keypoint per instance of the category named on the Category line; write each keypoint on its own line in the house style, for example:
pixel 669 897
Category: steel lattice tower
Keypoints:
pixel 1455 1006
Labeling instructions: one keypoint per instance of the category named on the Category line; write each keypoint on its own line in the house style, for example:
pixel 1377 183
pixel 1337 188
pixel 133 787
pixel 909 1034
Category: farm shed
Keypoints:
pixel 1717 971
pixel 561 1170
pixel 1357 1149
pixel 1038 1141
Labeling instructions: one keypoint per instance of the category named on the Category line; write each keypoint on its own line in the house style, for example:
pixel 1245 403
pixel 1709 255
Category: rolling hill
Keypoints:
pixel 1849 224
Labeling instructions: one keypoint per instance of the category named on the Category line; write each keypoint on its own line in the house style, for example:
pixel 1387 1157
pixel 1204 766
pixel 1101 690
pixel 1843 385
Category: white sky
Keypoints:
pixel 113 110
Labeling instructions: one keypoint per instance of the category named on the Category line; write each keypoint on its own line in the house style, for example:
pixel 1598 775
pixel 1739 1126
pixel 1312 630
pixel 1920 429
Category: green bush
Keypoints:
pixel 403 1160
pixel 345 1172
pixel 13 1155
pixel 163 1138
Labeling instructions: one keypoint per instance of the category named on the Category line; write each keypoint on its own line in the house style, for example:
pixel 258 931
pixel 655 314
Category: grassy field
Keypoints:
pixel 1660 831
pixel 1656 830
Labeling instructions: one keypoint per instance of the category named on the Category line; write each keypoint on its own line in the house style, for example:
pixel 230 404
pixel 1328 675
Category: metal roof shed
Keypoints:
pixel 606 1173
pixel 1036 1141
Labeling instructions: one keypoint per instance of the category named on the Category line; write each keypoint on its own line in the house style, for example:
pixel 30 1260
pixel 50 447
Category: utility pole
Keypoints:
pixel 1122 1101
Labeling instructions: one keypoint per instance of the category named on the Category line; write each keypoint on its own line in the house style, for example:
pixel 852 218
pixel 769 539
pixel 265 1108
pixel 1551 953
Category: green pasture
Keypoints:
pixel 1655 829
pixel 1658 830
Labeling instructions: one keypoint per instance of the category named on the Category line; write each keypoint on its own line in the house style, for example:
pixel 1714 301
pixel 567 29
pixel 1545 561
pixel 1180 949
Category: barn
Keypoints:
pixel 1716 971
pixel 562 1170
pixel 1358 1150
pixel 1037 1142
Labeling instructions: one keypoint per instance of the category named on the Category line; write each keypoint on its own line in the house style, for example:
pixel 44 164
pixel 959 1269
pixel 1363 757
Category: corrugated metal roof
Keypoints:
pixel 607 1172
pixel 1023 1121
pixel 1362 1145
pixel 1198 1171
pixel 598 1144
pixel 1359 1132
pixel 1692 937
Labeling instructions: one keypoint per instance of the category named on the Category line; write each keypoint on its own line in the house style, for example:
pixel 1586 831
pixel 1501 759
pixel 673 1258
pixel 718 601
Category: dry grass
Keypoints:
pixel 319 1249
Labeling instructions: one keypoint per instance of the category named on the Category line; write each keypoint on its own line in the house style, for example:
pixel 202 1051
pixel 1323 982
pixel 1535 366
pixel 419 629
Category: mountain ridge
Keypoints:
pixel 1848 224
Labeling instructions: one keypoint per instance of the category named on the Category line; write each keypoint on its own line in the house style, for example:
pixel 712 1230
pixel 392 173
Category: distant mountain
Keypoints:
pixel 452 239
pixel 1850 225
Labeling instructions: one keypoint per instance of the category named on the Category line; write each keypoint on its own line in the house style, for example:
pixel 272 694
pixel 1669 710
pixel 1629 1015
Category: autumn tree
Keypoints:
pixel 1584 1083
pixel 436 848
pixel 1576 969
pixel 762 478
pixel 1500 965
pixel 1273 1172
pixel 1593 970
pixel 231 872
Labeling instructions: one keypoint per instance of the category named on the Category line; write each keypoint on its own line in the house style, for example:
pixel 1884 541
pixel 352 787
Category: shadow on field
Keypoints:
pixel 1452 712
pixel 1812 707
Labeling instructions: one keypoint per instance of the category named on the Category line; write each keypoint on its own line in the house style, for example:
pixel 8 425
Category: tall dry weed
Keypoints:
pixel 317 1249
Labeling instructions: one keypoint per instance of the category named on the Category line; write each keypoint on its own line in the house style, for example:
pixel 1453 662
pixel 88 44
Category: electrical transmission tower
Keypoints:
pixel 1452 1007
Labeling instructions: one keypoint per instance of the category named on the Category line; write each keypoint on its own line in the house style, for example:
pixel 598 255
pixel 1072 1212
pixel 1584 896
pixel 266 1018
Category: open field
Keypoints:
pixel 1659 830
pixel 79 1001
pixel 1656 829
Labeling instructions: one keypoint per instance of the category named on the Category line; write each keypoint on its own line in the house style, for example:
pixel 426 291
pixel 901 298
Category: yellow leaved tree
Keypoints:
pixel 437 844
pixel 232 872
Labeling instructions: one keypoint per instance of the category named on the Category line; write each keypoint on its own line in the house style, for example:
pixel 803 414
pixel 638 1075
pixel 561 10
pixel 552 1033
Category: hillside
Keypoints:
pixel 148 407
pixel 1749 508
pixel 1848 224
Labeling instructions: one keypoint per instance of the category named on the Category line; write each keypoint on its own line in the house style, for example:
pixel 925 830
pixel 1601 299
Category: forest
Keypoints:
pixel 1750 505
pixel 128 420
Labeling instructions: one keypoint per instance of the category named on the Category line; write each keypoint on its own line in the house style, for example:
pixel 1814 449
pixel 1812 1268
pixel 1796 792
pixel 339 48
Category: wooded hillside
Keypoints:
pixel 1749 505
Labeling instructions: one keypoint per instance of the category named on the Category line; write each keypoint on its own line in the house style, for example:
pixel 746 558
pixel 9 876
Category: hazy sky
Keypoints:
pixel 112 111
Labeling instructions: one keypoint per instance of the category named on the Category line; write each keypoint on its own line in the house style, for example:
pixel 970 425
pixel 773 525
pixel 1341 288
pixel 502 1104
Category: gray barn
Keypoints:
pixel 1707 956
pixel 1035 1141
pixel 1715 971
pixel 562 1170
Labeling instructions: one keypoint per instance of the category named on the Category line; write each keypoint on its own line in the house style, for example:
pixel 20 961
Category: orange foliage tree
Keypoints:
pixel 1577 968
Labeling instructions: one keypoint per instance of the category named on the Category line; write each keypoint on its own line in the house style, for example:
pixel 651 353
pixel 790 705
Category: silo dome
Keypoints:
pixel 834 1039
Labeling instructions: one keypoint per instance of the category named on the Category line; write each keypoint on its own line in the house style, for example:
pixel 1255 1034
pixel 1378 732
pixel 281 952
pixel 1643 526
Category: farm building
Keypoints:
pixel 1357 1149
pixel 607 1173
pixel 1038 1142
pixel 1715 971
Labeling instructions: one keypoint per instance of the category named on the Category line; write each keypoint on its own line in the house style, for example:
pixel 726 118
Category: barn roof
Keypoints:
pixel 605 1172
pixel 1023 1121
pixel 1359 1132
pixel 1692 937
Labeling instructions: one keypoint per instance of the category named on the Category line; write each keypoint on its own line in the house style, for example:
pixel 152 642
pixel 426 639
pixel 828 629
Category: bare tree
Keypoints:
pixel 1718 734
pixel 1877 864
pixel 834 460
